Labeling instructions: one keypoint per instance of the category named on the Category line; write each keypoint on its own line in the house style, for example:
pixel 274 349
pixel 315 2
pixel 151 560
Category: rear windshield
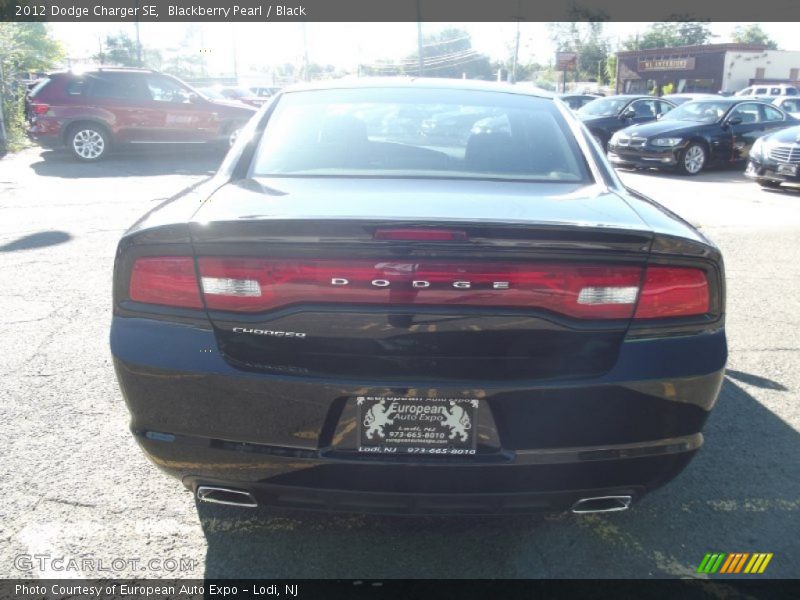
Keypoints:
pixel 391 132
pixel 40 85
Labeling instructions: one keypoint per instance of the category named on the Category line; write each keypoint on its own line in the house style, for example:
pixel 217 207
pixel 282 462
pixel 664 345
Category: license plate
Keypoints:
pixel 424 426
pixel 787 170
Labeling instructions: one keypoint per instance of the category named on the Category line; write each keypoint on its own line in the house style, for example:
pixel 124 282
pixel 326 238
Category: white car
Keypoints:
pixel 789 104
pixel 771 89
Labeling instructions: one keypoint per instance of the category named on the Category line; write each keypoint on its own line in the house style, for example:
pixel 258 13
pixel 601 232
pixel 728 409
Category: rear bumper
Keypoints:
pixel 46 132
pixel 286 440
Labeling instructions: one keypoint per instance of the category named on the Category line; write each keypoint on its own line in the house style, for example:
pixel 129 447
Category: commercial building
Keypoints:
pixel 710 68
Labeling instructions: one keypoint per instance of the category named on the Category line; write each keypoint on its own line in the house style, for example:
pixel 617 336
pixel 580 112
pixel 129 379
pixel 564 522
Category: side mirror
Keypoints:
pixel 628 113
pixel 734 121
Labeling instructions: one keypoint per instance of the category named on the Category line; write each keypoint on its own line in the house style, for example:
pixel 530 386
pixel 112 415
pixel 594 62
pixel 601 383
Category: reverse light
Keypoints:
pixel 166 281
pixel 225 286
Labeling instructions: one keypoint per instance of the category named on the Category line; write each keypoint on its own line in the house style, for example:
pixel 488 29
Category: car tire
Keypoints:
pixel 768 183
pixel 232 132
pixel 88 142
pixel 693 159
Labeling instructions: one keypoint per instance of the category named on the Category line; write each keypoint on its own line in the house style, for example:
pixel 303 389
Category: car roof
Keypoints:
pixel 629 96
pixel 421 83
pixel 693 95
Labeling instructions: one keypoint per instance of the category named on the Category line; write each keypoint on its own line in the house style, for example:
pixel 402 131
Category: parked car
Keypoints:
pixel 678 99
pixel 453 125
pixel 264 91
pixel 775 159
pixel 789 104
pixel 697 134
pixel 605 116
pixel 773 89
pixel 92 111
pixel 240 94
pixel 576 101
pixel 341 321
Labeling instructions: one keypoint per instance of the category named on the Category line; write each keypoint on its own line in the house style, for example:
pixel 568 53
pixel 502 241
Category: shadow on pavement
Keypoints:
pixel 140 162
pixel 40 239
pixel 740 494
pixel 755 380
pixel 717 174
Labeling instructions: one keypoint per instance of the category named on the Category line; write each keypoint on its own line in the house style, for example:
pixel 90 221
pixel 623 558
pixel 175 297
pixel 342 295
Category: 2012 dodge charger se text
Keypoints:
pixel 355 314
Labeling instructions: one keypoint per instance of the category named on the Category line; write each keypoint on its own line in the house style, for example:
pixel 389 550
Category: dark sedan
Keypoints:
pixel 576 101
pixel 605 116
pixel 697 134
pixel 775 159
pixel 345 320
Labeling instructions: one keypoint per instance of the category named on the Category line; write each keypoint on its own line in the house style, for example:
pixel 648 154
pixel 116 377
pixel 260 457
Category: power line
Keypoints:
pixel 434 60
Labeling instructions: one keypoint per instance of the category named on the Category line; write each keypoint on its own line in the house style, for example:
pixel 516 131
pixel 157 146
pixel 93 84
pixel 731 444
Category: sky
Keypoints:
pixel 347 44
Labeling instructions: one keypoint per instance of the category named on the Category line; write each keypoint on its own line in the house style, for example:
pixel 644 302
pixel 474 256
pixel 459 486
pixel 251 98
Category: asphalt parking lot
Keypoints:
pixel 76 486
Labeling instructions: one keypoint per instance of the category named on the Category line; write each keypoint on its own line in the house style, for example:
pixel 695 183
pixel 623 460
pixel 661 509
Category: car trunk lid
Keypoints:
pixel 429 280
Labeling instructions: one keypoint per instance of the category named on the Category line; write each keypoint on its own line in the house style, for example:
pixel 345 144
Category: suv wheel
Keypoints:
pixel 233 131
pixel 88 142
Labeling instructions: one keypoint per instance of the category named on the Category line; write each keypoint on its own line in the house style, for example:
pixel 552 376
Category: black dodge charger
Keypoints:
pixel 357 316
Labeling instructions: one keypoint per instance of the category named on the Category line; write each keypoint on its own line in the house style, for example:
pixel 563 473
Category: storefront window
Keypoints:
pixel 697 86
pixel 641 86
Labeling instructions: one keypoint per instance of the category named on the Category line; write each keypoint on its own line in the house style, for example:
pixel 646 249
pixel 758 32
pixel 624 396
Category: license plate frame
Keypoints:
pixel 411 425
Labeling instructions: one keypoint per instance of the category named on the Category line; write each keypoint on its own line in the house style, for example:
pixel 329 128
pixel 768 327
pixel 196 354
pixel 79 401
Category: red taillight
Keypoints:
pixel 421 235
pixel 165 280
pixel 39 109
pixel 673 292
pixel 580 291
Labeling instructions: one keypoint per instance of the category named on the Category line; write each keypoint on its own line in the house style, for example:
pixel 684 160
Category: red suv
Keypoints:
pixel 91 111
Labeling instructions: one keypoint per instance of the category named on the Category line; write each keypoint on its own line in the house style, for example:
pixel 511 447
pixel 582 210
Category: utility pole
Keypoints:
pixel 516 54
pixel 3 134
pixel 235 61
pixel 138 42
pixel 421 68
pixel 305 53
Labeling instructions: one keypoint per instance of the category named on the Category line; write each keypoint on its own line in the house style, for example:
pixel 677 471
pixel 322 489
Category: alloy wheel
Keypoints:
pixel 694 159
pixel 88 144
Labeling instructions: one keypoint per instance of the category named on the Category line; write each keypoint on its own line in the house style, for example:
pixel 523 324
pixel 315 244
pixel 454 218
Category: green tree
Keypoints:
pixel 449 53
pixel 670 34
pixel 611 70
pixel 590 44
pixel 120 49
pixel 26 49
pixel 753 34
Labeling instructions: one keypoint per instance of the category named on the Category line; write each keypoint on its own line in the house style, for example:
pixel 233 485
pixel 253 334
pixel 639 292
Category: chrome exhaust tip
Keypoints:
pixel 601 504
pixel 227 496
